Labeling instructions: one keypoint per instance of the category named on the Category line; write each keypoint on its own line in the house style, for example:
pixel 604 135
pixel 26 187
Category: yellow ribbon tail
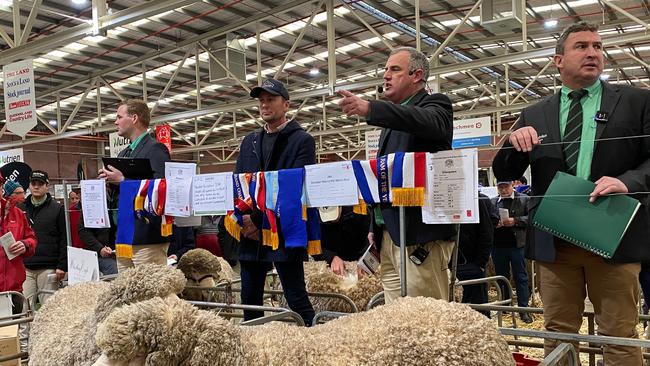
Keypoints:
pixel 123 251
pixel 138 205
pixel 408 196
pixel 361 208
pixel 314 247
pixel 304 212
pixel 232 227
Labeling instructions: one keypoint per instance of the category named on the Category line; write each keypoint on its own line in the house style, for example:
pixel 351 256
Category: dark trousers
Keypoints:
pixel 292 277
pixel 504 259
pixel 473 294
pixel 17 304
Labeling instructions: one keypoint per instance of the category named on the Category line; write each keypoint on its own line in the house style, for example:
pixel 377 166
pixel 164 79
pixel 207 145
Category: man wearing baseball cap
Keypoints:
pixel 280 144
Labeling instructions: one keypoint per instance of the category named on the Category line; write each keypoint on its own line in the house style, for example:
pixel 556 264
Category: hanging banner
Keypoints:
pixel 372 144
pixel 472 132
pixel 20 104
pixel 164 136
pixel 9 156
pixel 117 143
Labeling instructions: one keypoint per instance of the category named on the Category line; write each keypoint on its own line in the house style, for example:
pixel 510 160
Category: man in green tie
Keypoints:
pixel 592 130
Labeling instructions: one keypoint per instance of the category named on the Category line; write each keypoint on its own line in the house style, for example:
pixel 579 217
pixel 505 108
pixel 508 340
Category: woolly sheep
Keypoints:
pixel 410 331
pixel 320 278
pixel 204 269
pixel 70 317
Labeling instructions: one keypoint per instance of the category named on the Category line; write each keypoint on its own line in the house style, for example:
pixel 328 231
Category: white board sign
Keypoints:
pixel 82 266
pixel 472 132
pixel 20 104
pixel 117 143
pixel 58 191
pixel 452 188
pixel 372 144
pixel 9 156
pixel 212 194
pixel 331 184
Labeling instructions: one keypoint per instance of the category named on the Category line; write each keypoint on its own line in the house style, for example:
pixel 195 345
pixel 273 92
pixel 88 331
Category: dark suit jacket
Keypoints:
pixel 518 211
pixel 293 148
pixel 158 155
pixel 627 159
pixel 425 124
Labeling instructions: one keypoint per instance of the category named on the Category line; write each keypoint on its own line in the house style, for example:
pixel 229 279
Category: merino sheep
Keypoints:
pixel 410 331
pixel 204 269
pixel 320 278
pixel 71 316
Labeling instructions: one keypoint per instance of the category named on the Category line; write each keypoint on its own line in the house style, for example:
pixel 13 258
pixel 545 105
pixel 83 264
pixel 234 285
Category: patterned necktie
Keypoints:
pixel 127 152
pixel 573 131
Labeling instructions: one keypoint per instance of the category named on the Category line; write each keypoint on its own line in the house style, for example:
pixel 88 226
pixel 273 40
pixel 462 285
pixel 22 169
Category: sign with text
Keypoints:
pixel 472 132
pixel 331 184
pixel 372 144
pixel 117 143
pixel 82 266
pixel 9 156
pixel 20 104
pixel 212 194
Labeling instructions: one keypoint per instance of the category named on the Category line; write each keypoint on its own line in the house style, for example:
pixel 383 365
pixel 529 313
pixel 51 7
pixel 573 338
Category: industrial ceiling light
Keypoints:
pixel 52 122
pixel 551 23
pixel 604 77
pixel 79 2
pixel 314 72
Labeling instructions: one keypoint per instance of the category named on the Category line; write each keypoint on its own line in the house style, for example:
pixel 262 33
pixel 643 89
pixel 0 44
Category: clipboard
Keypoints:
pixel 132 168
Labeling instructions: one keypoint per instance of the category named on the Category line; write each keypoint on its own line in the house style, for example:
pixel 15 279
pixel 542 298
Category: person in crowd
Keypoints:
pixel 100 240
pixel 182 241
pixel 589 129
pixel 280 144
pixel 229 246
pixel 412 120
pixel 132 121
pixel 344 238
pixel 74 212
pixel 47 267
pixel 521 185
pixel 510 240
pixel 474 246
pixel 13 220
pixel 207 235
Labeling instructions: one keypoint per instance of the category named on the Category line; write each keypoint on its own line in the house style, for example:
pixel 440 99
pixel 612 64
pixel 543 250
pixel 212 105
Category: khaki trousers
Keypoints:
pixel 612 288
pixel 37 280
pixel 430 279
pixel 143 254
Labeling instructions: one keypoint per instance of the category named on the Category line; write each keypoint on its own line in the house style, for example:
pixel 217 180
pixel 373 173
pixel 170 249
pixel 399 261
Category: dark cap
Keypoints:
pixel 504 182
pixel 272 86
pixel 39 175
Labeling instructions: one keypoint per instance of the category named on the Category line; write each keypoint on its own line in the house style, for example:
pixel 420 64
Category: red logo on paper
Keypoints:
pixel 469 213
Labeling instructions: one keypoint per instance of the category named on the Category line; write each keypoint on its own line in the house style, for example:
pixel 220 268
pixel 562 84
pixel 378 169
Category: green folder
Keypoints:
pixel 565 211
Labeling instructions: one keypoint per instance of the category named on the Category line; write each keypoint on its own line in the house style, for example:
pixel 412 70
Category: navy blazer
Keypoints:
pixel 425 124
pixel 619 153
pixel 293 148
pixel 157 153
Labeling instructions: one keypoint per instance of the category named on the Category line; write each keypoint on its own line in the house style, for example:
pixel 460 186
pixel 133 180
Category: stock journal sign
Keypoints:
pixel 20 104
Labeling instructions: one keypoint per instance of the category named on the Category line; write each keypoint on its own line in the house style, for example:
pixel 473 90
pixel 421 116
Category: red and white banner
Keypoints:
pixel 164 136
pixel 20 105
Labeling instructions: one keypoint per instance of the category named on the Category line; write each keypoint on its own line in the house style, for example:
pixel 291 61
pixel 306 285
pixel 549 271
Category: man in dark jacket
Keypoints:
pixel 475 244
pixel 46 216
pixel 510 240
pixel 413 120
pixel 344 239
pixel 280 144
pixel 132 121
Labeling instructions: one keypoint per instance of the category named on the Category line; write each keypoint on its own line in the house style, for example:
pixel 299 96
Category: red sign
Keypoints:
pixel 164 136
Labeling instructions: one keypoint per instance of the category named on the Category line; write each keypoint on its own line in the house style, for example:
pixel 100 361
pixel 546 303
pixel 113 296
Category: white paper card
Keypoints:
pixel 5 241
pixel 179 188
pixel 82 266
pixel 212 194
pixel 6 305
pixel 94 207
pixel 369 261
pixel 331 184
pixel 452 187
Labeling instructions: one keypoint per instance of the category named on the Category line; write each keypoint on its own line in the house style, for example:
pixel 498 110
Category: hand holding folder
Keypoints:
pixel 566 212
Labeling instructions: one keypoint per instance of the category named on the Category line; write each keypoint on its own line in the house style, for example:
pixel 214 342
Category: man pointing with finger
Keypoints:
pixel 592 130
pixel 412 120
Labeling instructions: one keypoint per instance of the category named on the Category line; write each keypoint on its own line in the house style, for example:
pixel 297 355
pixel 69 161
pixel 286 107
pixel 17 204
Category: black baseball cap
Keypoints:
pixel 39 175
pixel 272 86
